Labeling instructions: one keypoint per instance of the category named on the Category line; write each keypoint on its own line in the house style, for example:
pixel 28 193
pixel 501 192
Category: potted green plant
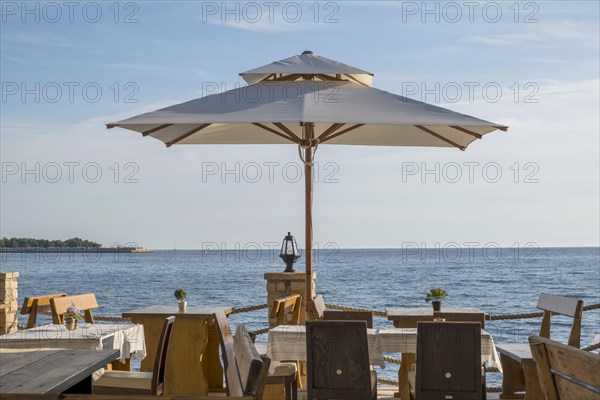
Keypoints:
pixel 72 315
pixel 180 295
pixel 436 295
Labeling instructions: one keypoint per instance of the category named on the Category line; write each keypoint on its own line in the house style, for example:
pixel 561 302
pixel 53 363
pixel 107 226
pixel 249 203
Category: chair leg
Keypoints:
pixel 288 388
pixel 294 389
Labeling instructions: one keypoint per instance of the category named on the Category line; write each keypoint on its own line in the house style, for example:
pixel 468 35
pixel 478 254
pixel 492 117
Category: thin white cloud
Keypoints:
pixel 547 32
pixel 152 68
pixel 39 39
pixel 506 39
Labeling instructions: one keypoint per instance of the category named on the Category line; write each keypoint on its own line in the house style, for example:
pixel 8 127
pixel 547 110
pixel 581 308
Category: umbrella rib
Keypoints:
pixel 283 135
pixel 465 130
pixel 288 131
pixel 284 78
pixel 158 128
pixel 353 127
pixel 329 131
pixel 355 80
pixel 189 133
pixel 330 78
pixel 437 135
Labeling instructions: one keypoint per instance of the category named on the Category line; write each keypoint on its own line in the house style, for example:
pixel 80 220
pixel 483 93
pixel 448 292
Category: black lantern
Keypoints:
pixel 289 252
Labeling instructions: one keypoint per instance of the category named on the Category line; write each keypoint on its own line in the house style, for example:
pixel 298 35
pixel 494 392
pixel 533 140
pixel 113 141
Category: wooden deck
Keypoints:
pixel 387 393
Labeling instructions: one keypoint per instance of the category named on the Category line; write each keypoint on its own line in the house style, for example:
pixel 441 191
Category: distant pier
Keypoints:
pixel 93 250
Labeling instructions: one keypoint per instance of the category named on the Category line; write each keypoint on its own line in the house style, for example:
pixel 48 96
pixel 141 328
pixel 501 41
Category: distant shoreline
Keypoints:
pixel 93 250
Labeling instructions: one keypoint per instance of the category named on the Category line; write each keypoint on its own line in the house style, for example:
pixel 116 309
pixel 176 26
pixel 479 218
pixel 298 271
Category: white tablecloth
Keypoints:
pixel 124 336
pixel 404 340
pixel 288 342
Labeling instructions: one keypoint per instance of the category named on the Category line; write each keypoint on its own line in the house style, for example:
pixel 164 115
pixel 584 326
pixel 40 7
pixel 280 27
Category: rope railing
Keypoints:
pixel 533 314
pixel 239 310
pixel 345 308
pixel 260 331
pixel 592 347
pixel 392 360
pixel 489 317
pixel 385 381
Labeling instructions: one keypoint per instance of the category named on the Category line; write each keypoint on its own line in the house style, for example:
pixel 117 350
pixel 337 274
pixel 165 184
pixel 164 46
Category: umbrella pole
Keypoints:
pixel 308 166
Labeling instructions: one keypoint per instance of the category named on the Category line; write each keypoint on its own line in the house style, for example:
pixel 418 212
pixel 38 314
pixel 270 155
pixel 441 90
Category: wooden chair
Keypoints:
pixel 317 308
pixel 338 361
pixel 448 362
pixel 37 304
pixel 225 341
pixel 246 370
pixel 84 302
pixel 516 358
pixel 139 383
pixel 283 373
pixel 349 316
pixel 289 305
pixel 565 372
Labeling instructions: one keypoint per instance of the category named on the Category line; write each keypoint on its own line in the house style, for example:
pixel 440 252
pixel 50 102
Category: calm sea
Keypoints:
pixel 498 281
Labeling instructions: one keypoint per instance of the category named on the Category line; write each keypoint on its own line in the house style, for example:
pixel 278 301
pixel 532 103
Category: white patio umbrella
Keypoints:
pixel 308 100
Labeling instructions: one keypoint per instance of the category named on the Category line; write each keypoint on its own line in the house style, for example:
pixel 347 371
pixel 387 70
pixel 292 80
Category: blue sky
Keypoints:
pixel 65 76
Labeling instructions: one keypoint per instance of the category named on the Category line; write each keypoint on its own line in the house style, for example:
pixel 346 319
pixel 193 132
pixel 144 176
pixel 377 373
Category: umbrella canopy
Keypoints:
pixel 242 116
pixel 308 63
pixel 309 100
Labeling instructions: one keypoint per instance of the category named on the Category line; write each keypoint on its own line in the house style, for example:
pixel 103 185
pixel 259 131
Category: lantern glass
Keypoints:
pixel 289 252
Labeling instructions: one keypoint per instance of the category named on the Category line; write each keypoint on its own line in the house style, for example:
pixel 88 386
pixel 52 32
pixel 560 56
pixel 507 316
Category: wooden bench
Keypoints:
pixel 285 306
pixel 520 372
pixel 246 370
pixel 84 302
pixel 565 372
pixel 37 304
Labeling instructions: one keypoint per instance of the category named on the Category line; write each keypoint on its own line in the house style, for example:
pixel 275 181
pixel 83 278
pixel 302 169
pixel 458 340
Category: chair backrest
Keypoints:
pixel 37 304
pixel 317 308
pixel 160 362
pixel 366 316
pixel 449 361
pixel 338 360
pixel 462 317
pixel 286 306
pixel 567 306
pixel 247 372
pixel 84 302
pixel 565 372
pixel 225 341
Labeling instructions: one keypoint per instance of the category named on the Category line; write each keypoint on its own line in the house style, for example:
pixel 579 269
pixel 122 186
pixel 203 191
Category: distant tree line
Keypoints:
pixel 44 243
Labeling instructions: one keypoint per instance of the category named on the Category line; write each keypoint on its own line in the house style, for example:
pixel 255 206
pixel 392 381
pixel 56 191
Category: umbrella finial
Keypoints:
pixel 308 52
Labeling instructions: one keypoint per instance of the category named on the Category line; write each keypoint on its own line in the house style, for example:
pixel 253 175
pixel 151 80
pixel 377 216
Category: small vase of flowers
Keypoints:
pixel 72 315
pixel 435 296
pixel 180 296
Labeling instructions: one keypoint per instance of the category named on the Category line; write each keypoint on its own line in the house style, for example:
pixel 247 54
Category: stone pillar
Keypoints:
pixel 8 302
pixel 282 284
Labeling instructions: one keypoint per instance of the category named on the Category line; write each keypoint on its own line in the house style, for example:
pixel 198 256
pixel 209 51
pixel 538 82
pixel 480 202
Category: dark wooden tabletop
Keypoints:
pixel 49 371
pixel 165 311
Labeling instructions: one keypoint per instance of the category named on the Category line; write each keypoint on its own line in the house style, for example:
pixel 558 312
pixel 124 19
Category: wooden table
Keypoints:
pixel 288 342
pixel 126 337
pixel 516 357
pixel 403 317
pixel 193 364
pixel 51 371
